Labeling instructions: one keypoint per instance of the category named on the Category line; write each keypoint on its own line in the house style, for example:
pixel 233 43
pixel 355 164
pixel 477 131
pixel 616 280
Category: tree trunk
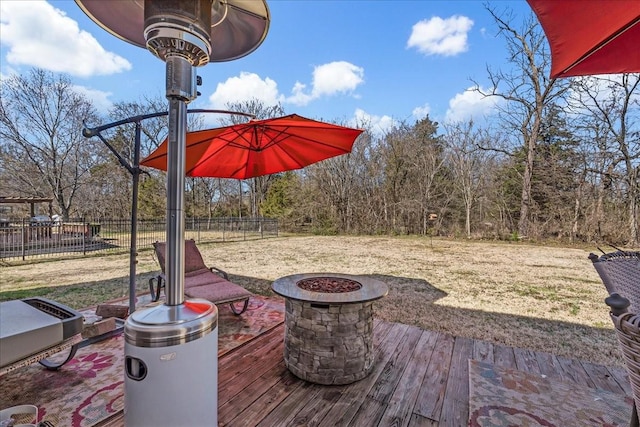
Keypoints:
pixel 468 220
pixel 525 201
pixel 634 209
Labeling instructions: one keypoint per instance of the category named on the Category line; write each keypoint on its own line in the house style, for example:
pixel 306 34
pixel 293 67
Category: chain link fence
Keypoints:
pixel 30 240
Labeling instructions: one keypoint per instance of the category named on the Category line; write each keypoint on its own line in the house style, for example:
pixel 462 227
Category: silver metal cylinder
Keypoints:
pixel 165 325
pixel 181 79
pixel 174 266
pixel 171 366
pixel 178 27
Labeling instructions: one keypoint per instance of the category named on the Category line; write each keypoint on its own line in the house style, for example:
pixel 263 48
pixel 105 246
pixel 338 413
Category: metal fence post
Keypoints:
pixel 23 240
pixel 84 236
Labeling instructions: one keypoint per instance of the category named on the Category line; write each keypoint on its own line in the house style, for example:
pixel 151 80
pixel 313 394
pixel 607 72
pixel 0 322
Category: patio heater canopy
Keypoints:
pixel 236 27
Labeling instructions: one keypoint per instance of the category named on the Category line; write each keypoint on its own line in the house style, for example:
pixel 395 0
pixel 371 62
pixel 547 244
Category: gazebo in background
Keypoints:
pixel 37 226
pixel 31 201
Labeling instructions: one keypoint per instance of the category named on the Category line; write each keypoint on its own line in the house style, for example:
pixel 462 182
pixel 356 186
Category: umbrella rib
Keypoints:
pixel 161 155
pixel 301 164
pixel 286 136
pixel 203 159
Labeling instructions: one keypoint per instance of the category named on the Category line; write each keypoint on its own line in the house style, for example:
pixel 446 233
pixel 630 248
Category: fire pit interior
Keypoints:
pixel 329 325
pixel 329 284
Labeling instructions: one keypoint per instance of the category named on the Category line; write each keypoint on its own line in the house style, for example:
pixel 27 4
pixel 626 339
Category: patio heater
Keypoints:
pixel 171 362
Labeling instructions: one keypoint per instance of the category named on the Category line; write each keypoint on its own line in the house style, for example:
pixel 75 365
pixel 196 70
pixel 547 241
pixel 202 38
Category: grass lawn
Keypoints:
pixel 545 298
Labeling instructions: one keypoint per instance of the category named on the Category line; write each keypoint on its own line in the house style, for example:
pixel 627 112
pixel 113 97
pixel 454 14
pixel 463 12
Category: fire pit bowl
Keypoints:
pixel 329 325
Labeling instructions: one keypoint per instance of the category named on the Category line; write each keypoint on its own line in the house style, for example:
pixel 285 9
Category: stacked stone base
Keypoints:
pixel 329 344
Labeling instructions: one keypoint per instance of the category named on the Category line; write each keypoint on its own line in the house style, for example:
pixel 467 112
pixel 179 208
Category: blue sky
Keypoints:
pixel 383 61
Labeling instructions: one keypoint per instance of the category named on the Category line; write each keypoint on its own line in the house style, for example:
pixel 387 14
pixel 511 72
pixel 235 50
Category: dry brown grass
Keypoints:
pixel 537 297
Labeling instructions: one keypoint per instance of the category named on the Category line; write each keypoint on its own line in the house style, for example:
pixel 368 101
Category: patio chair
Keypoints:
pixel 627 325
pixel 620 273
pixel 200 281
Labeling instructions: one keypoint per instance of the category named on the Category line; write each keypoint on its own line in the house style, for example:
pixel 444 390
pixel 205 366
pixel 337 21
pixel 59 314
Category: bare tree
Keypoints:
pixel 526 91
pixel 337 185
pixel 467 163
pixel 259 186
pixel 41 118
pixel 610 107
pixel 397 158
pixel 427 161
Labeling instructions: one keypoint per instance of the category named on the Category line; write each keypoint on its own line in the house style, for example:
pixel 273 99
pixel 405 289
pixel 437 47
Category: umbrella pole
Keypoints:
pixel 133 247
pixel 179 74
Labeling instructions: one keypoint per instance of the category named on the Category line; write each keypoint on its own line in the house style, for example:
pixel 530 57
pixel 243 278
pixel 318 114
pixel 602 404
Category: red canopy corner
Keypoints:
pixel 591 36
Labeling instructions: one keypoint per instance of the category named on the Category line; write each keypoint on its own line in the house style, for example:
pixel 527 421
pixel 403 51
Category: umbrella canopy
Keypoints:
pixel 259 147
pixel 591 36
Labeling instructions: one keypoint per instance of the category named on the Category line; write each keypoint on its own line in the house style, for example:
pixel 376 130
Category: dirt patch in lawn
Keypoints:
pixel 538 297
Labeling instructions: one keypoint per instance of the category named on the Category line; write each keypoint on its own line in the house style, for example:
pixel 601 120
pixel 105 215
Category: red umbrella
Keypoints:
pixel 591 36
pixel 259 147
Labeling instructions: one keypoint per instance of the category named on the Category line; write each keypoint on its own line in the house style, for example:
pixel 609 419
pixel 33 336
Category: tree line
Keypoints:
pixel 560 159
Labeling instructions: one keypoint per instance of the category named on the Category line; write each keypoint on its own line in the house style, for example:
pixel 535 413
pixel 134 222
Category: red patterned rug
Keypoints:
pixel 90 387
pixel 501 397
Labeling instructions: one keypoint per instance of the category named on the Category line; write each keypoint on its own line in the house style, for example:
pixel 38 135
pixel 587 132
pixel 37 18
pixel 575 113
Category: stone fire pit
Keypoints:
pixel 329 325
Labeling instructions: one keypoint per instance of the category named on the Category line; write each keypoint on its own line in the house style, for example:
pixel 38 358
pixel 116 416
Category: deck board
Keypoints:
pixel 290 407
pixel 503 356
pixel 268 401
pixel 621 378
pixel 601 377
pixel 369 413
pixel 354 394
pixel 433 388
pixel 231 404
pixel 575 372
pixel 550 366
pixel 419 379
pixel 526 360
pixel 392 372
pixel 483 351
pixel 455 408
pixel 405 395
pixel 315 410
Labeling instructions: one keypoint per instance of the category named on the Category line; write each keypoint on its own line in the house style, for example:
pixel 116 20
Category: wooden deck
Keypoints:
pixel 420 378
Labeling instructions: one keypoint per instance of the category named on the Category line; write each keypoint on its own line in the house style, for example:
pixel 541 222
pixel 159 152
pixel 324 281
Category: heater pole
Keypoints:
pixel 181 82
pixel 174 289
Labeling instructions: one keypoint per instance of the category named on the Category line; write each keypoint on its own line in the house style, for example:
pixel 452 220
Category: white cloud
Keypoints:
pixel 333 78
pixel 6 73
pixel 377 125
pixel 100 99
pixel 421 112
pixel 39 35
pixel 603 87
pixel 330 79
pixel 438 36
pixel 470 104
pixel 299 96
pixel 245 87
pixel 336 77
